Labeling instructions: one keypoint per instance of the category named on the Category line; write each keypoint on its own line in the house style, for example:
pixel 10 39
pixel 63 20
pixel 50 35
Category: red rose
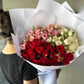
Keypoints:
pixel 53 57
pixel 70 56
pixel 37 61
pixel 52 50
pixel 33 45
pixel 59 60
pixel 24 55
pixel 45 61
pixel 32 55
pixel 47 46
pixel 63 55
pixel 29 44
pixel 65 61
pixel 39 49
pixel 45 52
pixel 29 50
pixel 60 49
pixel 55 63
pixel 37 42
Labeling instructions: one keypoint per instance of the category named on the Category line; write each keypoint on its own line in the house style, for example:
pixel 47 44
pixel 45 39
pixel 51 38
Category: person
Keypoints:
pixel 15 69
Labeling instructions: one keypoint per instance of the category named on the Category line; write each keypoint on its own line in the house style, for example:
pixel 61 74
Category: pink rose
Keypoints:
pixel 25 40
pixel 27 35
pixel 50 34
pixel 50 29
pixel 44 36
pixel 31 38
pixel 54 32
pixel 37 27
pixel 37 31
pixel 31 31
pixel 59 31
pixel 56 26
pixel 30 34
pixel 23 46
pixel 45 28
pixel 50 25
pixel 39 36
pixel 35 36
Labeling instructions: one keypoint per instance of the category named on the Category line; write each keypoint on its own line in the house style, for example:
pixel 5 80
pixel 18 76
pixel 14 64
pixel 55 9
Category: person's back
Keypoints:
pixel 15 69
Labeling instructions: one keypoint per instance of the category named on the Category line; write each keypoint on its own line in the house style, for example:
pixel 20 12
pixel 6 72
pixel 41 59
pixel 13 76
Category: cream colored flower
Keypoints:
pixel 75 34
pixel 62 32
pixel 70 33
pixel 65 29
pixel 75 38
pixel 69 51
pixel 59 38
pixel 49 39
pixel 67 41
pixel 72 47
pixel 54 37
pixel 58 42
pixel 54 40
pixel 76 44
pixel 71 38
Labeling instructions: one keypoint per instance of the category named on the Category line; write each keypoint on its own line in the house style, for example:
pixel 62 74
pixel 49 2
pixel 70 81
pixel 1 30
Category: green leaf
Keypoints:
pixel 34 28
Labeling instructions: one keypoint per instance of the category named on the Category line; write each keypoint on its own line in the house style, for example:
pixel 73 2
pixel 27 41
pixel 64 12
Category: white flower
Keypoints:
pixel 62 32
pixel 70 33
pixel 70 38
pixel 65 29
pixel 67 41
pixel 59 38
pixel 76 44
pixel 75 38
pixel 58 42
pixel 49 39
pixel 54 38
pixel 72 47
pixel 75 34
pixel 69 51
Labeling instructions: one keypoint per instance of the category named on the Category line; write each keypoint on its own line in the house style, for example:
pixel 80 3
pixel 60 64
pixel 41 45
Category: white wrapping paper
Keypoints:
pixel 47 12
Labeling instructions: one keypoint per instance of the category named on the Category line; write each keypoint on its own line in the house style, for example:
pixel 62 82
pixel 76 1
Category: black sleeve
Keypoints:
pixel 28 71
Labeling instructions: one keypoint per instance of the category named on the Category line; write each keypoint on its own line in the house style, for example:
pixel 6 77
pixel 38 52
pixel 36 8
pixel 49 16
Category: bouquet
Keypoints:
pixel 51 45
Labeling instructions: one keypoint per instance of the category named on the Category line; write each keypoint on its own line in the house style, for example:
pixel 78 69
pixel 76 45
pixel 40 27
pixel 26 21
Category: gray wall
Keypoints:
pixel 1 4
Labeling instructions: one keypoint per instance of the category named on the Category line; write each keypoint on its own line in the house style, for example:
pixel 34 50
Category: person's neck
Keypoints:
pixel 9 48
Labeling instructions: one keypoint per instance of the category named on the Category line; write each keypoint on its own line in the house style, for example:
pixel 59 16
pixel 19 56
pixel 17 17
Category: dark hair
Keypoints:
pixel 5 22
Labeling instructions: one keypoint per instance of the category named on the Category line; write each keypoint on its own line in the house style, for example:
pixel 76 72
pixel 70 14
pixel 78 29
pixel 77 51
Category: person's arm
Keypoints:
pixel 29 74
pixel 34 81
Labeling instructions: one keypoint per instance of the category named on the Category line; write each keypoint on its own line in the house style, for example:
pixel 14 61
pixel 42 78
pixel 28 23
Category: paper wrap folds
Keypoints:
pixel 47 12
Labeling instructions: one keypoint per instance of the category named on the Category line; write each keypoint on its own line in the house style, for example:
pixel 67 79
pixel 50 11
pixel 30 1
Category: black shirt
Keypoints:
pixel 16 69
